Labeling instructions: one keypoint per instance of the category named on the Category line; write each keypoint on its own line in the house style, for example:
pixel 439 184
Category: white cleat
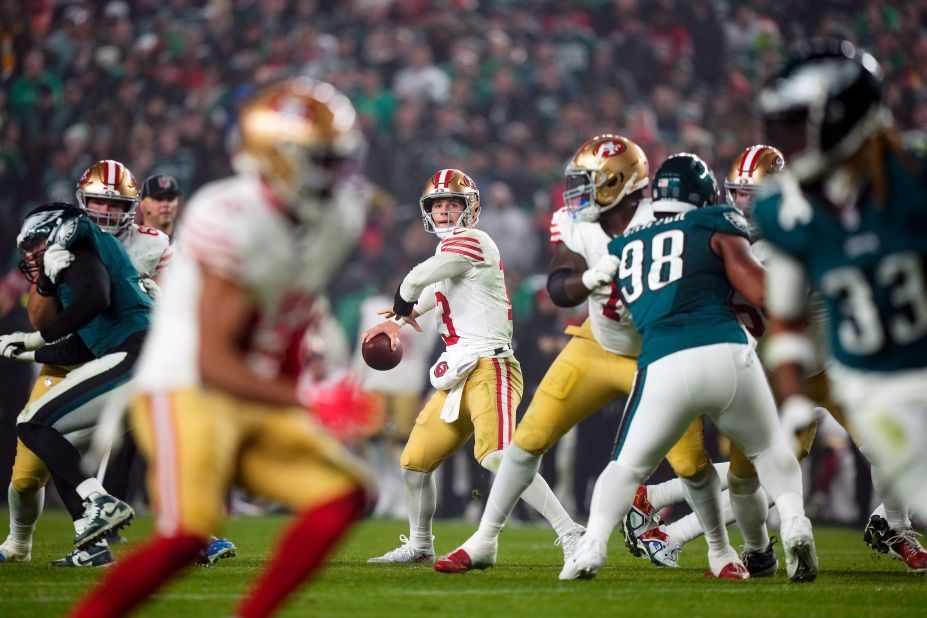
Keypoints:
pixel 659 547
pixel 10 551
pixel 801 559
pixel 473 554
pixel 586 560
pixel 406 554
pixel 569 541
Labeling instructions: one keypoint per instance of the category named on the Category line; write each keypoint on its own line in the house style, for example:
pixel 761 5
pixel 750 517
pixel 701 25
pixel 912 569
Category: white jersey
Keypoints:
pixel 754 320
pixel 472 309
pixel 148 248
pixel 233 230
pixel 611 322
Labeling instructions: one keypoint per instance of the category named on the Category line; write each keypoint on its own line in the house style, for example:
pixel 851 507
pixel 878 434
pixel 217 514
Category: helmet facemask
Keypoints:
pixel 466 219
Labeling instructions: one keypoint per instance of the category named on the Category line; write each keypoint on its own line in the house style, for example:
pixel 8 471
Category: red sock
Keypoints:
pixel 138 575
pixel 299 553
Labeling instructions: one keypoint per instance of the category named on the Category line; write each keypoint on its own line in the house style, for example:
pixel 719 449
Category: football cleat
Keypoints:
pixel 801 559
pixel 216 550
pixel 902 544
pixel 586 560
pixel 570 540
pixel 657 545
pixel 96 555
pixel 761 563
pixel 103 513
pixel 638 520
pixel 10 551
pixel 731 570
pixel 471 555
pixel 406 554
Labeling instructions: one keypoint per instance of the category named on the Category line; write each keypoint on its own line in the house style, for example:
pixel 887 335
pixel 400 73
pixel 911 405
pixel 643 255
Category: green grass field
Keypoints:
pixel 524 583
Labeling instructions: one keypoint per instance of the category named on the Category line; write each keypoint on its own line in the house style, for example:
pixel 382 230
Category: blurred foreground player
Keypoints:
pixel 223 361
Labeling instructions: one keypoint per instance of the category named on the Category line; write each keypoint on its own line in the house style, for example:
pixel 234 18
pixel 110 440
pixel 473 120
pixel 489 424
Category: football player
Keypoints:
pixel 102 321
pixel 606 178
pixel 749 504
pixel 477 380
pixel 677 275
pixel 250 262
pixel 848 217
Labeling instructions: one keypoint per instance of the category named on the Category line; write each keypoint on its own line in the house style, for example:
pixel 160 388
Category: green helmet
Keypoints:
pixel 684 177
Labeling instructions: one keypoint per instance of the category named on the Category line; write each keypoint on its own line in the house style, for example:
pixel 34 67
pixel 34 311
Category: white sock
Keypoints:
pixel 673 491
pixel 704 496
pixel 421 500
pixel 749 508
pixel 25 509
pixel 684 529
pixel 543 500
pixel 894 511
pixel 780 475
pixel 89 488
pixel 611 499
pixel 516 474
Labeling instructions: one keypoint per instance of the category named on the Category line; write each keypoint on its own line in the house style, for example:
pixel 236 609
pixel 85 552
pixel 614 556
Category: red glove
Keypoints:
pixel 339 404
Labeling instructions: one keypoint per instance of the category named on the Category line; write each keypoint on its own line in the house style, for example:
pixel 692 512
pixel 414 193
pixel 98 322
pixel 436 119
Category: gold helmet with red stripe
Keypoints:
pixel 302 137
pixel 604 170
pixel 450 183
pixel 749 171
pixel 111 182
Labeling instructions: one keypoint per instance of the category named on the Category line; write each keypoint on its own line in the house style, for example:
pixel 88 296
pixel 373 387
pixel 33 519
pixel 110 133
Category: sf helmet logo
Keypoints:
pixel 609 149
pixel 440 369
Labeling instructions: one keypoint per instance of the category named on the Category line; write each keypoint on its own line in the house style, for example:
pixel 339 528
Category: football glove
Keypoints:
pixel 338 404
pixel 602 273
pixel 15 344
pixel 151 287
pixel 55 260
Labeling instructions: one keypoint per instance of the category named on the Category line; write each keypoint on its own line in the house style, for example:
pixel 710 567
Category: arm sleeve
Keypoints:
pixel 426 301
pixel 444 265
pixel 90 285
pixel 68 351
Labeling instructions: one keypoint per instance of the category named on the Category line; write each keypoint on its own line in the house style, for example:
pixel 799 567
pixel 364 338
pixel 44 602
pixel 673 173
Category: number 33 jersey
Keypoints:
pixel 233 231
pixel 674 284
pixel 611 323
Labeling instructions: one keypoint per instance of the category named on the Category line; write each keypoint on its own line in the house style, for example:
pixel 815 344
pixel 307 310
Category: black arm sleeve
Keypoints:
pixel 89 282
pixel 556 287
pixel 68 351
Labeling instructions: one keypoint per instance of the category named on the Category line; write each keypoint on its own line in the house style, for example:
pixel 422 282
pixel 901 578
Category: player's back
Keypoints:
pixel 868 263
pixel 675 285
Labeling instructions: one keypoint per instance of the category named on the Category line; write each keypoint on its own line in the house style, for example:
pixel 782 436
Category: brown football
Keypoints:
pixel 378 354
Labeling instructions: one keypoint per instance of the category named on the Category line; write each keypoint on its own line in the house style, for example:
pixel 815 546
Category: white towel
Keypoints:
pixel 450 373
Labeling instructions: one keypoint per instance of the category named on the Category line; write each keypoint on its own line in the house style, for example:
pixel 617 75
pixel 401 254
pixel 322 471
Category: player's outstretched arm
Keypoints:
pixel 743 270
pixel 224 315
pixel 438 267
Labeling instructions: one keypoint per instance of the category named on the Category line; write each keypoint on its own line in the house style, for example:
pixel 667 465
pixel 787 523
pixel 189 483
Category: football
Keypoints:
pixel 378 354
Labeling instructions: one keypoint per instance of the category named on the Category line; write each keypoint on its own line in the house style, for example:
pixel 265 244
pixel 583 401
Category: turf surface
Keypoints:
pixel 524 583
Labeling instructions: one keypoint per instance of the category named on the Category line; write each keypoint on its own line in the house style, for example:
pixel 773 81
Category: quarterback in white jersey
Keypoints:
pixel 223 396
pixel 477 379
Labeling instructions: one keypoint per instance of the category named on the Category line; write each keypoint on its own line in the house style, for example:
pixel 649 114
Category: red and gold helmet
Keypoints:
pixel 601 173
pixel 450 183
pixel 112 182
pixel 749 171
pixel 302 137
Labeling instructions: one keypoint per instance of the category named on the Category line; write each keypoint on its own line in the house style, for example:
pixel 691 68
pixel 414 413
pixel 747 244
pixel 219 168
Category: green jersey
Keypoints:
pixel 130 306
pixel 868 263
pixel 674 285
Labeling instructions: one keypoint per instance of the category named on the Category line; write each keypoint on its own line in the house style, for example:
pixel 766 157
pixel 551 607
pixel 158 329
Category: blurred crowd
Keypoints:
pixel 503 89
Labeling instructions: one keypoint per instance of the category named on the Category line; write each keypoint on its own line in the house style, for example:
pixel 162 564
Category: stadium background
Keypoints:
pixel 505 90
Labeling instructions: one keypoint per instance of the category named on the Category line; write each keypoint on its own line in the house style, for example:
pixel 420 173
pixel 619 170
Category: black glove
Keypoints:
pixel 45 287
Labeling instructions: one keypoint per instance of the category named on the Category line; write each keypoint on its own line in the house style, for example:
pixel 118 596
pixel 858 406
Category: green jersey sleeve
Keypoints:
pixel 723 219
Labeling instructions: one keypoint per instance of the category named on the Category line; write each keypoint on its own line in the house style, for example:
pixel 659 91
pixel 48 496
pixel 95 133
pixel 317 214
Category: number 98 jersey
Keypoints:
pixel 611 323
pixel 674 284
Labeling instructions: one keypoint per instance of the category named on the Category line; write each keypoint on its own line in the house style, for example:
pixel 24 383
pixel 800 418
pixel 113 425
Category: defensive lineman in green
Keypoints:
pixel 677 276
pixel 851 219
pixel 100 317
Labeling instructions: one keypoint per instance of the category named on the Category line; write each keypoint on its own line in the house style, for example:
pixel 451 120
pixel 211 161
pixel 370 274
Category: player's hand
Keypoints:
pixel 795 415
pixel 20 346
pixel 390 327
pixel 602 273
pixel 55 259
pixel 151 287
